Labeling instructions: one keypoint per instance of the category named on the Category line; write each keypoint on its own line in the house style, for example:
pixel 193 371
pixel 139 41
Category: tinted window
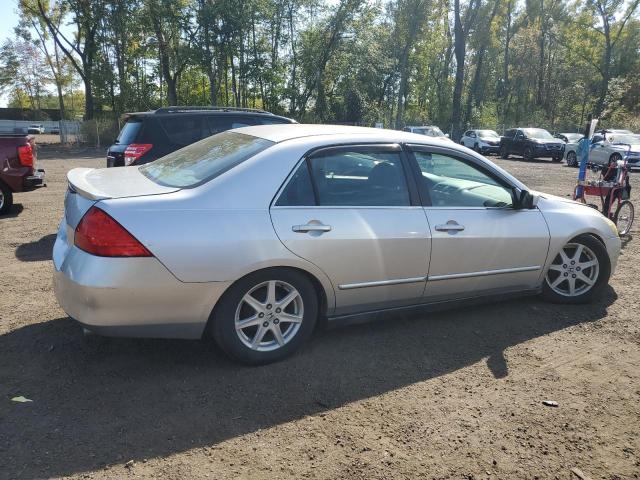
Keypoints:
pixel 270 121
pixel 204 160
pixel 183 129
pixel 299 191
pixel 359 177
pixel 221 123
pixel 452 182
pixel 129 132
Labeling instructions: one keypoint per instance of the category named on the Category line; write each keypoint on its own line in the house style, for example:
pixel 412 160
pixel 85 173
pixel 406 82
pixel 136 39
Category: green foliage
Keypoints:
pixel 543 62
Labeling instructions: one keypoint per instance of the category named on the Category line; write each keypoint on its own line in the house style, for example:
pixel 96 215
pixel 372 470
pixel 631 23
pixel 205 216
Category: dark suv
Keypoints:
pixel 147 136
pixel 531 143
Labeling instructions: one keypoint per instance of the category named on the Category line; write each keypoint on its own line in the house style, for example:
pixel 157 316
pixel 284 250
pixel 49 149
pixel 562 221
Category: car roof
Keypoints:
pixel 282 132
pixel 173 111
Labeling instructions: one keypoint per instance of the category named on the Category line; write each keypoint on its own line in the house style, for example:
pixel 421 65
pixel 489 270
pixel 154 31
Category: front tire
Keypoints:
pixel 6 199
pixel 265 316
pixel 579 272
pixel 572 159
pixel 613 159
pixel 528 154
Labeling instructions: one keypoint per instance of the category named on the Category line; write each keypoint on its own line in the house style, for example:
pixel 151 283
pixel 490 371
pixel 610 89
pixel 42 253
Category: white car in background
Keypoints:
pixel 428 130
pixel 607 147
pixel 482 141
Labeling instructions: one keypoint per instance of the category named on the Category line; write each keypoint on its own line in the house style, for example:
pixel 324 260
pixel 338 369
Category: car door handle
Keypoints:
pixel 450 226
pixel 311 227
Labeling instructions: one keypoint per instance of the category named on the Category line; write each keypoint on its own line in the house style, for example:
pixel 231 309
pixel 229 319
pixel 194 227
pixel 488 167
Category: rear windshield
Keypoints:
pixel 204 160
pixel 129 132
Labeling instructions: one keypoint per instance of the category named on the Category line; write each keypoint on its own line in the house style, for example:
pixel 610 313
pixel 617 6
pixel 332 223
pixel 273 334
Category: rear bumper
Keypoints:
pixel 132 297
pixel 33 181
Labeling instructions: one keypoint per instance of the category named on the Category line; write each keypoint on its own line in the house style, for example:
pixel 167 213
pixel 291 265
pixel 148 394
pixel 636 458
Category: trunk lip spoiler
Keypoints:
pixel 80 183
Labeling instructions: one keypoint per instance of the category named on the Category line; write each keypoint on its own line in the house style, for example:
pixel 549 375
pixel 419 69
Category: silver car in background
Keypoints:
pixel 252 235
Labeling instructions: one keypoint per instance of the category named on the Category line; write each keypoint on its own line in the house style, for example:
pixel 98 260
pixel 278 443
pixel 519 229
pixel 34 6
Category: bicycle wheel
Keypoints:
pixel 624 217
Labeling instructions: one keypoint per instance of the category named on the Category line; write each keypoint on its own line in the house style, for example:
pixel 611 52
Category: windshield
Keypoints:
pixel 204 160
pixel 619 138
pixel 537 133
pixel 488 134
pixel 429 131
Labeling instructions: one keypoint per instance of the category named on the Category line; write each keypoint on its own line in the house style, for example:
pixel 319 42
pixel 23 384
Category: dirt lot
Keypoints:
pixel 456 394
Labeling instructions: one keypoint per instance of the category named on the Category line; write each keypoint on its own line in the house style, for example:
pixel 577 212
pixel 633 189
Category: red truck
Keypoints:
pixel 18 171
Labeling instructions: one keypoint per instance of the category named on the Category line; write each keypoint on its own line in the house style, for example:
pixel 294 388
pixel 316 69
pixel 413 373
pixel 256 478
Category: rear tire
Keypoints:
pixel 265 316
pixel 579 272
pixel 6 199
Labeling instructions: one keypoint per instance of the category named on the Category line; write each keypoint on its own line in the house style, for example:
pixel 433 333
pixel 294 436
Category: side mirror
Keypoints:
pixel 446 135
pixel 525 200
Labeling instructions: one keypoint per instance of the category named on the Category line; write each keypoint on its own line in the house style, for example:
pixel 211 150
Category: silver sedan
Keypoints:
pixel 254 234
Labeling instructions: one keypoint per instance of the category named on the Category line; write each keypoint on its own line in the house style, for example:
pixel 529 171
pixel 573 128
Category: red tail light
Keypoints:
pixel 134 151
pixel 99 234
pixel 25 155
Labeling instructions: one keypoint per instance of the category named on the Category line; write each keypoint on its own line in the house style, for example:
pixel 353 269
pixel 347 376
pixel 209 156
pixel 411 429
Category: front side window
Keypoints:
pixel 452 182
pixel 204 160
pixel 359 177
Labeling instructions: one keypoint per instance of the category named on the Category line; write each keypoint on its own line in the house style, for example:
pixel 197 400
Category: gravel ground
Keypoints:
pixel 455 394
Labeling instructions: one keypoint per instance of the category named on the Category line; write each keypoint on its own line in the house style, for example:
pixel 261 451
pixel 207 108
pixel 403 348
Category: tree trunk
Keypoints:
pixel 460 46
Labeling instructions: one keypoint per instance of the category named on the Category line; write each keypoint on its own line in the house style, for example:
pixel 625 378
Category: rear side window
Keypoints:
pixel 182 130
pixel 204 160
pixel 359 177
pixel 299 190
pixel 129 132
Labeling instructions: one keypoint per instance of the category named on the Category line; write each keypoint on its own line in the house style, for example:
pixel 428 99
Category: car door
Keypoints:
pixel 350 211
pixel 480 243
pixel 599 151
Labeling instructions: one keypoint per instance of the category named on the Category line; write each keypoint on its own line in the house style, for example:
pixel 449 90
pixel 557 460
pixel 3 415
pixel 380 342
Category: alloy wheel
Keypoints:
pixel 269 316
pixel 574 271
pixel 572 159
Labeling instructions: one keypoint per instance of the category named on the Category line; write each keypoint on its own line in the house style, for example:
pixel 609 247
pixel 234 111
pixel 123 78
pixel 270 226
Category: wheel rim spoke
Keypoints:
pixel 271 292
pixel 558 281
pixel 557 268
pixel 572 285
pixel 277 334
pixel 587 264
pixel 288 318
pixel 248 322
pixel 257 338
pixel 284 303
pixel 253 303
pixel 578 253
pixel 564 256
pixel 585 279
